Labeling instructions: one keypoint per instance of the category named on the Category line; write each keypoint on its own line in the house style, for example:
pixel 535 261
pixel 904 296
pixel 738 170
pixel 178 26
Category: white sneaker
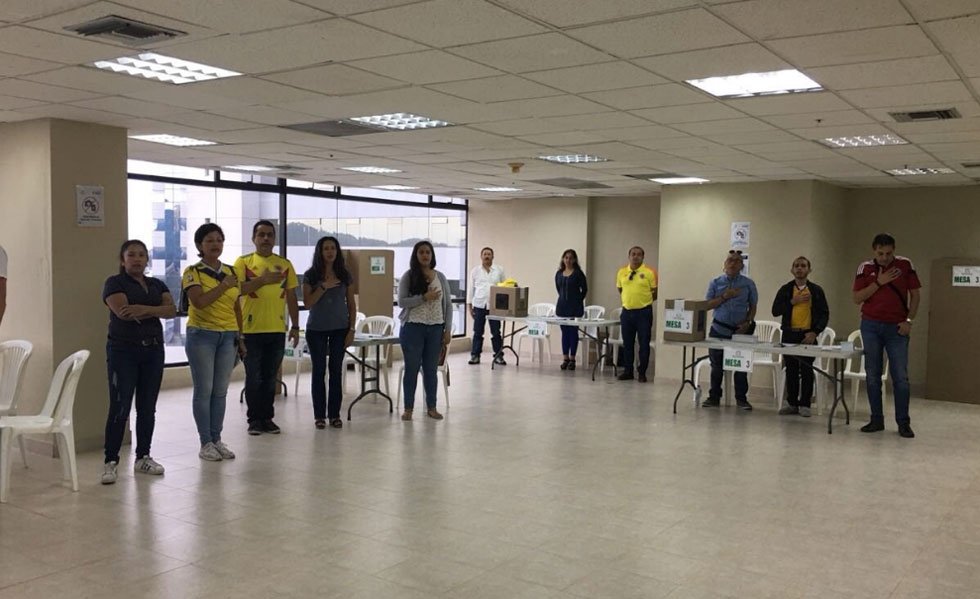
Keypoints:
pixel 804 411
pixel 109 474
pixel 209 452
pixel 223 451
pixel 148 465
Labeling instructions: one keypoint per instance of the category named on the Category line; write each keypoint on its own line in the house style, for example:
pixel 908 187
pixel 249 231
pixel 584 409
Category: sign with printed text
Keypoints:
pixel 737 359
pixel 89 206
pixel 741 233
pixel 966 276
pixel 679 321
pixel 537 328
pixel 377 265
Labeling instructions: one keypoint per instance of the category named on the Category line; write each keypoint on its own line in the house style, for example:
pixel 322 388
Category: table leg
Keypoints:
pixel 684 368
pixel 365 380
pixel 838 397
pixel 508 342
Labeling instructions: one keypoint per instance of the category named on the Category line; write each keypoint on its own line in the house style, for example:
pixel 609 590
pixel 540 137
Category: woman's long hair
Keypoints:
pixel 561 263
pixel 320 267
pixel 125 246
pixel 417 284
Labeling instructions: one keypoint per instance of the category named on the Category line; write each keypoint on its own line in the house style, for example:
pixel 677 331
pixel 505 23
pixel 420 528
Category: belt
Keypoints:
pixel 136 342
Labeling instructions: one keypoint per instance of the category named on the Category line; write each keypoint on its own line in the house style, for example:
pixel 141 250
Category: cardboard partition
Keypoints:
pixel 375 280
pixel 685 320
pixel 509 301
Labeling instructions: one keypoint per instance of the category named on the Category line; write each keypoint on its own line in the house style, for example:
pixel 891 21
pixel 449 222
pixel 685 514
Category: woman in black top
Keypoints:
pixel 134 355
pixel 572 286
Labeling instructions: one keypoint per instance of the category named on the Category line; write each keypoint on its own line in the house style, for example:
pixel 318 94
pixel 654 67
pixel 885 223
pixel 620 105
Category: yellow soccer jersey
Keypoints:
pixel 220 314
pixel 264 310
pixel 638 288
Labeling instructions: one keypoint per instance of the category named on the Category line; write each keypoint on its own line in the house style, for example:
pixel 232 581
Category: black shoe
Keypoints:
pixel 475 359
pixel 874 427
pixel 744 405
pixel 789 410
pixel 255 428
pixel 571 364
pixel 626 376
pixel 499 360
pixel 711 403
pixel 564 364
pixel 336 423
pixel 270 427
pixel 642 378
pixel 905 430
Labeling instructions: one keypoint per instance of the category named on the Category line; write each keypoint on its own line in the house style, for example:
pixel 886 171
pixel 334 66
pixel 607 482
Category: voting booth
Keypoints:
pixel 685 320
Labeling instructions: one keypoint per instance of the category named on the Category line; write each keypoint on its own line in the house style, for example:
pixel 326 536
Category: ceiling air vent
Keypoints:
pixel 941 114
pixel 570 183
pixel 336 128
pixel 127 31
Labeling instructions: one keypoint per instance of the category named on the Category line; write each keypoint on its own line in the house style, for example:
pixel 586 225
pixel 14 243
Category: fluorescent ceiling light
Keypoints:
pixel 863 141
pixel 164 68
pixel 250 168
pixel 922 170
pixel 394 187
pixel 497 189
pixel 574 158
pixel 174 140
pixel 757 84
pixel 678 180
pixel 400 121
pixel 374 170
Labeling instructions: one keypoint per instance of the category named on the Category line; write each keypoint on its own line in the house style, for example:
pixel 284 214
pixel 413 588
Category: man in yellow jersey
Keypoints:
pixel 268 288
pixel 637 286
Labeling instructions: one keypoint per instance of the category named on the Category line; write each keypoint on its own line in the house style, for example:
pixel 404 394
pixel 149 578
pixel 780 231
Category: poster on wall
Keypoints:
pixel 740 235
pixel 89 206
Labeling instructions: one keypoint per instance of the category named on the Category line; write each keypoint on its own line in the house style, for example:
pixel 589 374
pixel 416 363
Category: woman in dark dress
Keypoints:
pixel 572 286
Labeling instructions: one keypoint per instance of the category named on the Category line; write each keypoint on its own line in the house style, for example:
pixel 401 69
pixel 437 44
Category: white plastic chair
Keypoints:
pixel 859 375
pixel 443 370
pixel 768 331
pixel 591 313
pixel 376 325
pixel 821 387
pixel 540 343
pixel 297 355
pixel 55 418
pixel 13 359
pixel 349 362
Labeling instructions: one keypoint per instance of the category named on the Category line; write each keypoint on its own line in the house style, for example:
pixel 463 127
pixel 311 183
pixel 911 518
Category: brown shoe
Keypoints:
pixel 434 414
pixel 407 415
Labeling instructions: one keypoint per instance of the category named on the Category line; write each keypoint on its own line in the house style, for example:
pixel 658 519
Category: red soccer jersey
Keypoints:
pixel 888 303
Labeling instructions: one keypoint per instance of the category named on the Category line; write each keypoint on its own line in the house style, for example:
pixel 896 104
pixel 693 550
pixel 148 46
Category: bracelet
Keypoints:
pixel 293 328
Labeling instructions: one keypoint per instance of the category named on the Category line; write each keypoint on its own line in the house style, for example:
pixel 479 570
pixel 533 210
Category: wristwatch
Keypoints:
pixel 908 320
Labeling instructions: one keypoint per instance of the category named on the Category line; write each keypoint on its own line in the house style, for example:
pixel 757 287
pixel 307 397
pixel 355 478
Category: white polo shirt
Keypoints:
pixel 480 282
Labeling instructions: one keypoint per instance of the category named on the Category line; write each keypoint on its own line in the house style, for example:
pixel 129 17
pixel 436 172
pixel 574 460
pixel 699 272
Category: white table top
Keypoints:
pixel 816 351
pixel 560 320
pixel 367 340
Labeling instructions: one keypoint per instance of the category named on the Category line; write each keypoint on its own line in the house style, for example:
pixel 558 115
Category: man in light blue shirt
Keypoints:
pixel 734 299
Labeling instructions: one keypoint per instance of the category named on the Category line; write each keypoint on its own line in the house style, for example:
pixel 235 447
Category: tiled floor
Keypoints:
pixel 538 484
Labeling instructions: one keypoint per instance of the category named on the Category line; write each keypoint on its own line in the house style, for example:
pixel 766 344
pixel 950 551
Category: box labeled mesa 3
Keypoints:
pixel 685 320
pixel 508 301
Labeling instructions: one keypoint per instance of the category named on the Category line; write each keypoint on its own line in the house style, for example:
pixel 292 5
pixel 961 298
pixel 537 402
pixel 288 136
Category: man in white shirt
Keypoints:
pixel 3 283
pixel 481 279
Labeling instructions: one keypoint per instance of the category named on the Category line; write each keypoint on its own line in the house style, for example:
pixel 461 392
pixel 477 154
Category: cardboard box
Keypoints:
pixel 685 320
pixel 508 301
pixel 375 282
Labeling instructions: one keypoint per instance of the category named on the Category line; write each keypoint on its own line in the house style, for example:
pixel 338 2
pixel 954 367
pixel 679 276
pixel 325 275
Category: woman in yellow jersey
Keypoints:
pixel 214 327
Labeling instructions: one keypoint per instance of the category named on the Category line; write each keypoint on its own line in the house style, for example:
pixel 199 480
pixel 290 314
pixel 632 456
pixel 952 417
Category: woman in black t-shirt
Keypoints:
pixel 134 355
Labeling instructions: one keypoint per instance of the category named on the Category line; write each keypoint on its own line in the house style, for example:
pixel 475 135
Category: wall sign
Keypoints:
pixel 678 321
pixel 741 231
pixel 377 265
pixel 537 328
pixel 737 359
pixel 966 276
pixel 89 206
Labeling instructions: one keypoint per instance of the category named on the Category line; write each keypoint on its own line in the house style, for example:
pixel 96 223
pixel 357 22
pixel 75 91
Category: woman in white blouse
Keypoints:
pixel 426 325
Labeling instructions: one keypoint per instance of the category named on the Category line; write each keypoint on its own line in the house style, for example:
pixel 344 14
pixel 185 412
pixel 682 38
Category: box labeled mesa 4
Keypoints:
pixel 508 301
pixel 685 320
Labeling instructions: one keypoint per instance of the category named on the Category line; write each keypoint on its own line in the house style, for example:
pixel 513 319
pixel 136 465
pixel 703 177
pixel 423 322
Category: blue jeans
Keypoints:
pixel 211 355
pixel 324 345
pixel 479 324
pixel 421 344
pixel 262 359
pixel 877 337
pixel 569 340
pixel 133 370
pixel 637 326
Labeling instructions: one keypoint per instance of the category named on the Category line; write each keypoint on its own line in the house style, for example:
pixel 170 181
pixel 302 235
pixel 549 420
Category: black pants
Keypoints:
pixel 324 345
pixel 479 324
pixel 637 325
pixel 262 359
pixel 717 356
pixel 799 373
pixel 133 369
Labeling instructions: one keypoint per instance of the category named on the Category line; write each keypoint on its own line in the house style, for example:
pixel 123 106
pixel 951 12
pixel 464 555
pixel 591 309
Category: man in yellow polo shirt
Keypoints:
pixel 268 288
pixel 637 285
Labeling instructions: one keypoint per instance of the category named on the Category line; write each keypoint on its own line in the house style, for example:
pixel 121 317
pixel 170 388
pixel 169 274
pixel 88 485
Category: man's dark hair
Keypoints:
pixel 261 223
pixel 882 239
pixel 487 248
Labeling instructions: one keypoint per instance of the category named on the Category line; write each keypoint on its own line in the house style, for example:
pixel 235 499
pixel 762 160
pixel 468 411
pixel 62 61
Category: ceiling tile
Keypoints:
pixel 8 103
pixel 568 138
pixel 814 119
pixel 708 111
pixel 97 81
pixel 886 43
pixel 660 34
pixel 526 126
pixel 335 80
pixel 234 16
pixel 959 38
pixel 645 132
pixel 602 120
pixel 967 109
pixel 534 53
pixel 12 65
pixel 768 19
pixel 929 10
pixel 714 62
pixel 53 47
pixel 433 66
pixel 790 104
pixel 919 94
pixel 553 106
pixel 878 74
pixel 822 132
pixel 650 96
pixel 443 23
pixel 725 126
pixel 565 13
pixel 207 121
pixel 596 77
pixel 495 89
pixel 40 91
pixel 750 137
pixel 258 91
pixel 128 106
pixel 267 115
pixel 347 7
pixel 23 10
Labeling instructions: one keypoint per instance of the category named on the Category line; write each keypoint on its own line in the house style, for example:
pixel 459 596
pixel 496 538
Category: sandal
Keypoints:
pixel 320 423
pixel 407 415
pixel 336 423
pixel 564 364
pixel 434 414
